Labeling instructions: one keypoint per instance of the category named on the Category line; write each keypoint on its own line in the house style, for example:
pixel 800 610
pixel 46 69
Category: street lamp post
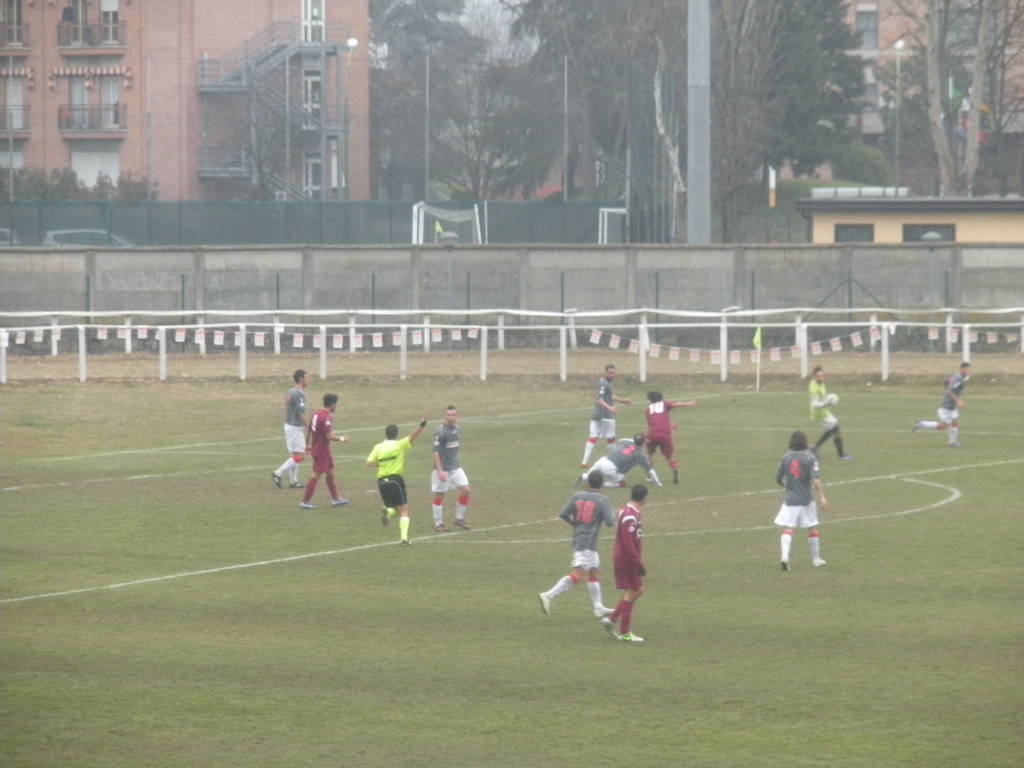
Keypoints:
pixel 898 45
pixel 351 44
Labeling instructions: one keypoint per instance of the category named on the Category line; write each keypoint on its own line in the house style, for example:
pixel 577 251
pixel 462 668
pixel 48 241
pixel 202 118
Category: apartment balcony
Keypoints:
pixel 91 37
pixel 13 36
pixel 15 120
pixel 93 122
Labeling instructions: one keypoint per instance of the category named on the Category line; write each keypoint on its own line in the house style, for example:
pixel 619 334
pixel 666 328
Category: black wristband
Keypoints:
pixel 423 423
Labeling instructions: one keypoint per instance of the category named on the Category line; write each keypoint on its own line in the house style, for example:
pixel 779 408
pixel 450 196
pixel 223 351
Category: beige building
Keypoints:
pixel 915 219
pixel 211 99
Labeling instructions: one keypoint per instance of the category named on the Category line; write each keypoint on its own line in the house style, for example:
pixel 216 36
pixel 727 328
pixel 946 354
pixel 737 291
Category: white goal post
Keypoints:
pixel 427 219
pixel 602 228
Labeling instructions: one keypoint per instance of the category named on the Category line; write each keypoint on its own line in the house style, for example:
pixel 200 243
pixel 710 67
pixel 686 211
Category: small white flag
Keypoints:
pixel 836 344
pixel 396 338
pixel 655 350
pixel 673 353
pixel 435 336
pixel 634 345
pixel 101 334
pixel 815 347
pixel 179 335
pixel 694 355
pixel 716 357
pixel 378 340
pixel 297 340
pixel 856 339
pixel 456 334
pixel 933 333
pixel 775 354
pixel 317 341
pixel 122 333
pixel 37 334
pixel 142 332
pixel 259 338
pixel 952 334
pixel 794 351
pixel 200 337
pixel 755 355
pixel 991 337
pixel 1011 338
pixel 974 337
pixel 613 341
pixel 874 334
pixel 735 357
pixel 338 340
pixel 417 337
pixel 19 337
pixel 218 338
pixel 474 332
pixel 357 341
pixel 595 336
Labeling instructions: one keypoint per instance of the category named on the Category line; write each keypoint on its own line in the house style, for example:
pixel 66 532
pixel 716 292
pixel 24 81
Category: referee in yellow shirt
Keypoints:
pixel 389 459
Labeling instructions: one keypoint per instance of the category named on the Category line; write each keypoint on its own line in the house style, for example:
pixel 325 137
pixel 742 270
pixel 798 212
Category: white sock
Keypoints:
pixel 786 541
pixel 438 510
pixel 588 449
pixel 460 511
pixel 288 466
pixel 562 586
pixel 953 432
pixel 928 424
pixel 815 543
pixel 594 588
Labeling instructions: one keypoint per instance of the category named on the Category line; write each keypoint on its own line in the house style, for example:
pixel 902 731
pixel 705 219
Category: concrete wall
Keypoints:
pixel 528 278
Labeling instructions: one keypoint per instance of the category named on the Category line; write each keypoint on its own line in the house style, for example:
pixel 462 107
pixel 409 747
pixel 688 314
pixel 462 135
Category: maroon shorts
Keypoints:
pixel 628 578
pixel 662 441
pixel 323 463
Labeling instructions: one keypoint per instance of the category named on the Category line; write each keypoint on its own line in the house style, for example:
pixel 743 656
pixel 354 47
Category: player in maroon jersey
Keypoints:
pixel 319 436
pixel 629 565
pixel 659 428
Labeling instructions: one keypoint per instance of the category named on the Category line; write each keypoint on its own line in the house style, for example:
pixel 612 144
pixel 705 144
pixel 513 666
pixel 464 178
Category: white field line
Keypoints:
pixel 954 495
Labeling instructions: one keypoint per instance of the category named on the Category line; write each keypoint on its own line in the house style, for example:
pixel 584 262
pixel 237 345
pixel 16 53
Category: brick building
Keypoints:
pixel 211 99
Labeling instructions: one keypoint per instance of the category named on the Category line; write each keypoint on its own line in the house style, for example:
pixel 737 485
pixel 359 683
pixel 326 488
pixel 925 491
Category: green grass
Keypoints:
pixel 905 650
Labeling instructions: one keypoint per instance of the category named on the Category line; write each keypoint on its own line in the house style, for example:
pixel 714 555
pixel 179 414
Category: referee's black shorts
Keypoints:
pixel 392 490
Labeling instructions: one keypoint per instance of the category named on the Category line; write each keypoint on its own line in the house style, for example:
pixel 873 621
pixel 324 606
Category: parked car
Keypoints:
pixel 77 238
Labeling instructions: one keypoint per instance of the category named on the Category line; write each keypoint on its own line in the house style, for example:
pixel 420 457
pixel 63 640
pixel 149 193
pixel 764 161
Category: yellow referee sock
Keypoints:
pixel 403 527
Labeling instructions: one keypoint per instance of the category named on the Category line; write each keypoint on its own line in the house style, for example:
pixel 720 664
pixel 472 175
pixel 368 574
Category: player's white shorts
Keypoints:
pixel 456 479
pixel 295 438
pixel 612 476
pixel 587 559
pixel 798 517
pixel 947 416
pixel 602 428
pixel 828 421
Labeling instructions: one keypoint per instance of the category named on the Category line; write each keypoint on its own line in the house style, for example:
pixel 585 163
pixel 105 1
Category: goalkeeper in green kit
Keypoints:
pixel 820 402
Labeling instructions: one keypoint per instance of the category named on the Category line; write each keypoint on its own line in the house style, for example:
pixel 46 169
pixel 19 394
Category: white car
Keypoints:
pixel 78 238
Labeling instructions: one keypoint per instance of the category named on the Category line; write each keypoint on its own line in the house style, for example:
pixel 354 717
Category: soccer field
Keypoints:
pixel 163 604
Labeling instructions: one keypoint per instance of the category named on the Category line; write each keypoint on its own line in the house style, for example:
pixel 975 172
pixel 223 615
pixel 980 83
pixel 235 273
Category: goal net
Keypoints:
pixel 611 227
pixel 433 224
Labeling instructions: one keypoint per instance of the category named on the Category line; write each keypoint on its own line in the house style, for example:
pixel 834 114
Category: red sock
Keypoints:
pixel 618 610
pixel 674 463
pixel 332 487
pixel 310 489
pixel 626 617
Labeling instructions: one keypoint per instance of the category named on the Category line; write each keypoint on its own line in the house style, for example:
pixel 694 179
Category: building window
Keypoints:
pixel 110 30
pixel 925 233
pixel 312 174
pixel 867 27
pixel 91 158
pixel 855 233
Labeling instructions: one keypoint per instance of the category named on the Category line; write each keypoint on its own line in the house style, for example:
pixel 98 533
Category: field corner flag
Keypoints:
pixel 757 338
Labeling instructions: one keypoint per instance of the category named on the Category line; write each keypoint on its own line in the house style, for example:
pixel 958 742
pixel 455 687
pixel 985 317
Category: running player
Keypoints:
pixel 949 408
pixel 389 459
pixel 660 426
pixel 586 511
